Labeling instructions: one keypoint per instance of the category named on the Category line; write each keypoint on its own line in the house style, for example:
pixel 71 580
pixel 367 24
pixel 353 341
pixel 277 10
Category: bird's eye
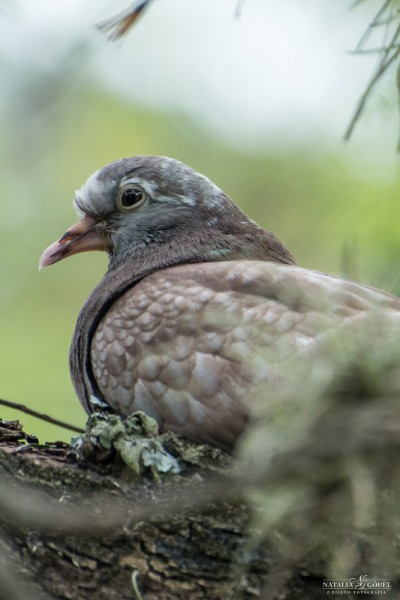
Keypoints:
pixel 130 198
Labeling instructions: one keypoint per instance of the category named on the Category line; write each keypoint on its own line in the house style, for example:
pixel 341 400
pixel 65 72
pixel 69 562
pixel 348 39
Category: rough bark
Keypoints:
pixel 184 549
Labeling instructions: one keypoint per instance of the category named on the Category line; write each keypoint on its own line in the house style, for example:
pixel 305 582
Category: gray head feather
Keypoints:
pixel 185 214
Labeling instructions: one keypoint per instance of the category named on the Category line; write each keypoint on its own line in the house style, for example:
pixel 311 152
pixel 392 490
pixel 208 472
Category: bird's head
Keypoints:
pixel 135 207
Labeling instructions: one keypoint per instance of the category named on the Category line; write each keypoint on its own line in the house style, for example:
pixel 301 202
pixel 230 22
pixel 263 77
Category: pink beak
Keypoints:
pixel 84 236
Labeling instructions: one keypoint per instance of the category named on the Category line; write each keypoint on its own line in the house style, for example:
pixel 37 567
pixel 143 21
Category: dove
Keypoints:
pixel 199 306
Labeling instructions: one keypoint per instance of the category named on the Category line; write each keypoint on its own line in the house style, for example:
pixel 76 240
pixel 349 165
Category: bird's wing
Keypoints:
pixel 189 343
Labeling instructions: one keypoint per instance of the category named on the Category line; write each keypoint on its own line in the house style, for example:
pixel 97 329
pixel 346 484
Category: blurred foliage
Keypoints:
pixel 330 216
pixel 324 455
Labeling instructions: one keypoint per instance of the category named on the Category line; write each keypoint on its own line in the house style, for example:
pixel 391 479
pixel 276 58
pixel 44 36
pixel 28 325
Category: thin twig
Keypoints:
pixel 374 50
pixel 367 33
pixel 388 54
pixel 387 20
pixel 365 96
pixel 118 26
pixel 42 416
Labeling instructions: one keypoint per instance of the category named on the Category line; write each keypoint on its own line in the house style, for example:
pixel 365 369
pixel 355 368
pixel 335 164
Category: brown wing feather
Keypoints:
pixel 188 344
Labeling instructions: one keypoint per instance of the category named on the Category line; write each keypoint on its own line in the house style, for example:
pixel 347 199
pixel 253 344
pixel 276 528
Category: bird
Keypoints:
pixel 199 306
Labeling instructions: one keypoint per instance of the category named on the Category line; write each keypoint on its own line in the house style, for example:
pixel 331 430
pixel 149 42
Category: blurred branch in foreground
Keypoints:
pixel 118 26
pixel 312 495
pixel 386 23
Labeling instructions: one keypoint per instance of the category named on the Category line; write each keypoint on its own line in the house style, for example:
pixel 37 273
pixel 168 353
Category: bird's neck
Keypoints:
pixel 246 242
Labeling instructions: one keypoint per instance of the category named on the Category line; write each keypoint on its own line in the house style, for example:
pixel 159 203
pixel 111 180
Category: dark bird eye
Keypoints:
pixel 130 198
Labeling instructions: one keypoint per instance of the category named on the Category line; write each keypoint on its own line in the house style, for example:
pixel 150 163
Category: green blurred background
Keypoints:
pixel 63 114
